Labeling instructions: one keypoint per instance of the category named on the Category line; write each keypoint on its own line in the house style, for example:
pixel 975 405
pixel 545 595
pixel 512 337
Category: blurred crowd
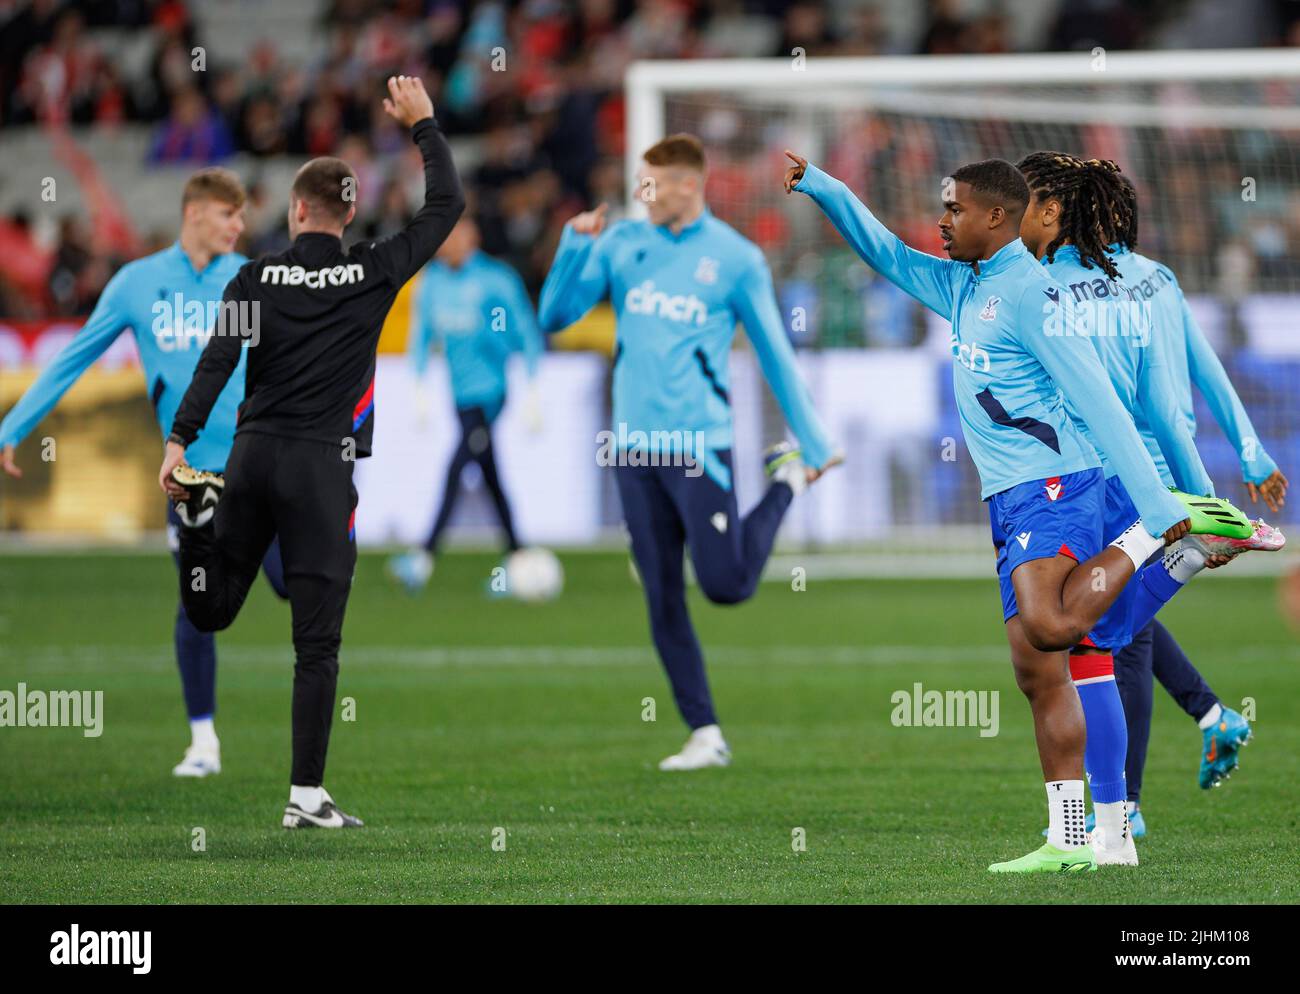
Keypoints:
pixel 549 129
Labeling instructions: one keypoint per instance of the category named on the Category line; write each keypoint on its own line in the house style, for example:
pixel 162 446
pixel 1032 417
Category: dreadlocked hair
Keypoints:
pixel 1095 208
pixel 1128 234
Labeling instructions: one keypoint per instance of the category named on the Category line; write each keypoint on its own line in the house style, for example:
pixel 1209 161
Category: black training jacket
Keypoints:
pixel 311 317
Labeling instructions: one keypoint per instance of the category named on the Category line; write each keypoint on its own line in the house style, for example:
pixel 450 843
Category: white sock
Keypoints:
pixel 1138 544
pixel 1065 814
pixel 1184 561
pixel 711 735
pixel 793 475
pixel 1211 717
pixel 203 733
pixel 307 798
pixel 1112 819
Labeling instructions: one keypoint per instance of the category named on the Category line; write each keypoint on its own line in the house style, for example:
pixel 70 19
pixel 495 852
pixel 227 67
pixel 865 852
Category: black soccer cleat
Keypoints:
pixel 205 490
pixel 327 815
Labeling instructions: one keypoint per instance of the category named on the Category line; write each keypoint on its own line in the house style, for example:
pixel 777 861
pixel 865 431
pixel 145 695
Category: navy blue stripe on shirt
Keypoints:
pixel 711 377
pixel 1045 433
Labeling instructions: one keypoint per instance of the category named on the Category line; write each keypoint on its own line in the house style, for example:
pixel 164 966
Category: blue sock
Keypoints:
pixel 1133 666
pixel 1153 588
pixel 1107 749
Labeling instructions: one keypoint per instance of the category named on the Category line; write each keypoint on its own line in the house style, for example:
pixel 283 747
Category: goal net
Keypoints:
pixel 1211 139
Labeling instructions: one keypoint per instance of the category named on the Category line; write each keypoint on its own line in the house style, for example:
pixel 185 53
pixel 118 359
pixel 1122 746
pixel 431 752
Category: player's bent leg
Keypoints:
pixel 1048 625
pixel 1215 539
pixel 220 556
pixel 729 553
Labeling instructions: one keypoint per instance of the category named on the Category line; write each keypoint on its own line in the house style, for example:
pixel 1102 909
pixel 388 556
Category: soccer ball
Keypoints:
pixel 534 575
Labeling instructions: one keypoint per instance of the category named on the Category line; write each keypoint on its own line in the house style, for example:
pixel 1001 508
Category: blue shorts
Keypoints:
pixel 1114 630
pixel 1039 519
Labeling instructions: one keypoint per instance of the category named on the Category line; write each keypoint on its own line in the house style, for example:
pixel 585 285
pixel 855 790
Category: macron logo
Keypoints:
pixel 314 278
pixel 645 299
pixel 1023 539
pixel 77 948
pixel 1053 488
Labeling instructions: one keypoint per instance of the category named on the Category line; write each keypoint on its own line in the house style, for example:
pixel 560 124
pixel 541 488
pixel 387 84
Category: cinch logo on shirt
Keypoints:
pixel 314 278
pixel 968 355
pixel 645 299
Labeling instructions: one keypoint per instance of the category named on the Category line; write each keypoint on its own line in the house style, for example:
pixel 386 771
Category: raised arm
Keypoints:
pixel 1072 363
pixel 400 256
pixel 579 276
pixel 1157 395
pixel 754 303
pixel 1258 469
pixel 106 322
pixel 923 276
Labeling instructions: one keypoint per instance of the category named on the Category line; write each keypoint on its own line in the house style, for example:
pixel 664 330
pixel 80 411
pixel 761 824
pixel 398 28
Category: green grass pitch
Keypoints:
pixel 474 715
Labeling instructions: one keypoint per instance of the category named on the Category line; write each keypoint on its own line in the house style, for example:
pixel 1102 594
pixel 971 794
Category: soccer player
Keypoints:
pixel 1154 651
pixel 478 308
pixel 1016 362
pixel 311 317
pixel 1074 211
pixel 679 282
pixel 165 301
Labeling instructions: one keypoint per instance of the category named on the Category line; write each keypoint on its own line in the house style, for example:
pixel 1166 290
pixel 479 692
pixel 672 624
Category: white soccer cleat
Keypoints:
pixel 199 761
pixel 706 747
pixel 1125 855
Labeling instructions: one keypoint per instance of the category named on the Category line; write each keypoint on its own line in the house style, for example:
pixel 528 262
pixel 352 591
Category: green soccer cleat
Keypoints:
pixel 783 463
pixel 1215 516
pixel 1049 859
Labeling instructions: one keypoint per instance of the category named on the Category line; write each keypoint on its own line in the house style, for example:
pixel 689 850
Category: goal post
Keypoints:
pixel 1210 138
